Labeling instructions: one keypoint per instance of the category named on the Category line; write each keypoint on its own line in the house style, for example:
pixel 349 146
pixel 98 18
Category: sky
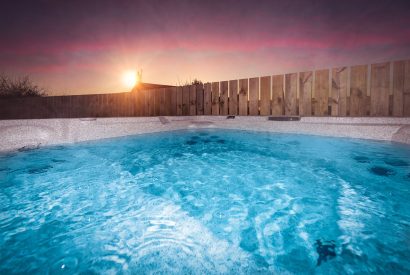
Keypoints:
pixel 81 47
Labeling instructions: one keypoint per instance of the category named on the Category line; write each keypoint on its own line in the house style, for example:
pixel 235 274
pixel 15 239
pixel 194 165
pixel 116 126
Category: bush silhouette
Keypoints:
pixel 19 87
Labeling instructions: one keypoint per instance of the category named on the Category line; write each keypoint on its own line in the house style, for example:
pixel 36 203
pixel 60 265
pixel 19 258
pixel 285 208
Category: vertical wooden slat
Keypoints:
pixel 121 105
pixel 305 93
pixel 192 100
pixel 358 87
pixel 142 106
pixel 215 98
pixel 179 100
pixel 151 102
pixel 163 108
pixel 290 94
pixel 398 88
pixel 233 97
pixel 243 97
pixel 111 101
pixel 321 93
pixel 254 96
pixel 406 90
pixel 277 95
pixel 379 89
pixel 339 91
pixel 265 96
pixel 170 99
pixel 223 98
pixel 134 102
pixel 185 100
pixel 207 99
pixel 158 96
pixel 199 99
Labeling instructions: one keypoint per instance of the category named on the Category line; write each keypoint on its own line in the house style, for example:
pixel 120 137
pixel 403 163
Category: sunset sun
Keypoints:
pixel 129 79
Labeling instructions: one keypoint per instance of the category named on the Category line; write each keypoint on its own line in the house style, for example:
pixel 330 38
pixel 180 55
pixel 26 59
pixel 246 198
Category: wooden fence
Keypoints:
pixel 366 90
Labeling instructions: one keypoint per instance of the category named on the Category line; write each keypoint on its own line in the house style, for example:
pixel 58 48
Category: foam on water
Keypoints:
pixel 206 202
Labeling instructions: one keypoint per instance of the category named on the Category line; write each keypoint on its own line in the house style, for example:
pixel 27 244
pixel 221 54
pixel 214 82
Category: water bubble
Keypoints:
pixel 65 265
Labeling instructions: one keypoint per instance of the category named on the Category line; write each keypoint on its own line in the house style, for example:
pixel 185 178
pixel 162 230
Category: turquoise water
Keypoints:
pixel 207 202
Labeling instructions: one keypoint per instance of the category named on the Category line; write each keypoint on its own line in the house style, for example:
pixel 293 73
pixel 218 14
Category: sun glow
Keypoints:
pixel 130 79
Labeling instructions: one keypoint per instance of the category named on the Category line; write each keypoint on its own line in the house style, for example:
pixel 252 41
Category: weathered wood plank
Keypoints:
pixel 406 90
pixel 233 97
pixel 358 88
pixel 398 88
pixel 171 95
pixel 254 96
pixel 207 99
pixel 339 91
pixel 243 97
pixel 162 105
pixel 185 100
pixel 321 107
pixel 277 95
pixel 143 103
pixel 200 99
pixel 379 89
pixel 305 93
pixel 290 94
pixel 223 98
pixel 158 96
pixel 192 100
pixel 179 100
pixel 151 102
pixel 265 100
pixel 215 98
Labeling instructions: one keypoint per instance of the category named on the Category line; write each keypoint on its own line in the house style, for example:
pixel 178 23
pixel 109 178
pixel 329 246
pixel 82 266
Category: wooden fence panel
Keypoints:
pixel 339 91
pixel 158 95
pixel 358 88
pixel 171 95
pixel 321 107
pixel 233 97
pixel 379 89
pixel 162 105
pixel 406 89
pixel 254 96
pixel 277 95
pixel 290 94
pixel 192 100
pixel 223 98
pixel 265 96
pixel 124 105
pixel 134 103
pixel 94 105
pixel 119 105
pixel 64 104
pixel 130 103
pixel 150 99
pixel 199 99
pixel 179 101
pixel 215 98
pixel 398 88
pixel 185 100
pixel 207 99
pixel 243 97
pixel 274 95
pixel 305 93
pixel 143 103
